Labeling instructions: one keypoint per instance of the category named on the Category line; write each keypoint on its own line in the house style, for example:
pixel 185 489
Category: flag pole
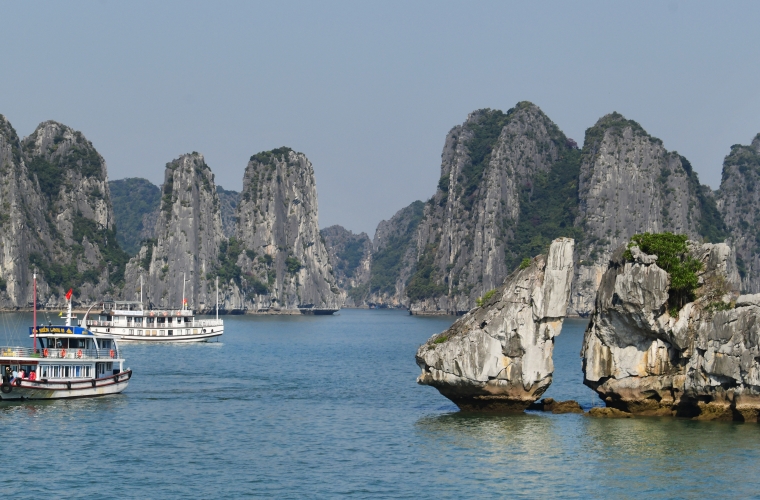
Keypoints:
pixel 34 308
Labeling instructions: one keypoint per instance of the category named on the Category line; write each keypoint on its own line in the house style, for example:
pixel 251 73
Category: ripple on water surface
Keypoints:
pixel 326 406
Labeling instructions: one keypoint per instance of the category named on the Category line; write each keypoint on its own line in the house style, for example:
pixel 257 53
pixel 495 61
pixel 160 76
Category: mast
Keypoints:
pixel 68 316
pixel 217 297
pixel 184 280
pixel 34 308
pixel 141 285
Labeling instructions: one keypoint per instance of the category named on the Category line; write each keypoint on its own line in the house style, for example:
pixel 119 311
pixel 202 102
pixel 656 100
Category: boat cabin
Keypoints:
pixel 63 352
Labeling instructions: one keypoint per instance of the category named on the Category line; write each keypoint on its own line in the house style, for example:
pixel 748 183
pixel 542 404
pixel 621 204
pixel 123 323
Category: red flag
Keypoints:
pixel 68 294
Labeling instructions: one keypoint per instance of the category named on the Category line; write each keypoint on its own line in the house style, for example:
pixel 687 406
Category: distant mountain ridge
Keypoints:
pixel 512 182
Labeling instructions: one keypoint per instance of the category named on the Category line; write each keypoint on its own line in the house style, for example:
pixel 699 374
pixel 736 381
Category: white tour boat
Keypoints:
pixel 64 362
pixel 130 321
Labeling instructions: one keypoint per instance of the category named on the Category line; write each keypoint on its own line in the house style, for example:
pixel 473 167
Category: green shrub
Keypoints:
pixel 486 297
pixel 673 257
pixel 525 264
pixel 293 265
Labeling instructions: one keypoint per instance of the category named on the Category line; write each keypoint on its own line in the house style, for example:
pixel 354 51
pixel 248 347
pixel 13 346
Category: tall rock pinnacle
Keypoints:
pixel 278 227
pixel 188 238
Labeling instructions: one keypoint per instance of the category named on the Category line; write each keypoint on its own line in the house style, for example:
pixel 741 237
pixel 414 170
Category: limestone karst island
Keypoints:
pixel 524 230
pixel 379 250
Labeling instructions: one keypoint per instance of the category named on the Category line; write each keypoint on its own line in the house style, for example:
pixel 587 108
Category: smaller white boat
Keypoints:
pixel 130 321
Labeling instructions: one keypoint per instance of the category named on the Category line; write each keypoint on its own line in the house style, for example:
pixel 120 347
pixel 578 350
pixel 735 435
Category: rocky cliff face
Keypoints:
pixel 350 256
pixel 498 357
pixel 21 210
pixel 228 201
pixel 629 183
pixel 394 256
pixel 77 246
pixel 467 239
pixel 136 204
pixel 284 256
pixel 702 362
pixel 739 202
pixel 187 243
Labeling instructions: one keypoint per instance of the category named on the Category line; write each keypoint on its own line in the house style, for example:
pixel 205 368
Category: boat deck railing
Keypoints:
pixel 208 322
pixel 26 352
pixel 199 323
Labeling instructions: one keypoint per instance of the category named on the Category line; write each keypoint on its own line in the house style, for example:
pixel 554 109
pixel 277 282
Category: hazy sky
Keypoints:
pixel 368 90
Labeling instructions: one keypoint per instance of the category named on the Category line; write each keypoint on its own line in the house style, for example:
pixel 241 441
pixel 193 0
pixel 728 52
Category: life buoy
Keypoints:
pixel 179 313
pixel 166 313
pixel 63 353
pixel 113 354
pixel 152 314
pixel 45 353
pixel 79 353
pixel 6 388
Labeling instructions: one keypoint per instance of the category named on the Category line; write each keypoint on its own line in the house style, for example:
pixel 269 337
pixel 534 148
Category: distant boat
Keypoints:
pixel 131 321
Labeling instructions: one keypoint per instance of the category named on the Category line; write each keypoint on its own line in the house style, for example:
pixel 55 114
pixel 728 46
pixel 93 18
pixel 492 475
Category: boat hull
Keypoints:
pixel 201 337
pixel 39 390
pixel 157 339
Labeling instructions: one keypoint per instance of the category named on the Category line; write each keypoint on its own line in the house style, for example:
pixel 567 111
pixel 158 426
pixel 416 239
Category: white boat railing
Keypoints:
pixel 191 324
pixel 26 352
pixel 18 352
pixel 208 322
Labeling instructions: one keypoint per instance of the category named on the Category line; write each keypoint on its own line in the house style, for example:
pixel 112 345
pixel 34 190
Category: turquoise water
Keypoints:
pixel 294 407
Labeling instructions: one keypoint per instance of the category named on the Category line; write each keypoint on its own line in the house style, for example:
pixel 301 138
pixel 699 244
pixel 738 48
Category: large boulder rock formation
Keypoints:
pixel 642 357
pixel 498 357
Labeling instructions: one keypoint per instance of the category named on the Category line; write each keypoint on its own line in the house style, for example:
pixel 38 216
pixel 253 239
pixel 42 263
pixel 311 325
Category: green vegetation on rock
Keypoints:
pixel 132 199
pixel 351 256
pixel 388 261
pixel 674 258
pixel 486 297
pixel 548 209
pixel 422 284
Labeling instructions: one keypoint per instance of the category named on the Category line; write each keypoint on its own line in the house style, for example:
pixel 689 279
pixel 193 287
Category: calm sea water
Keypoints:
pixel 294 407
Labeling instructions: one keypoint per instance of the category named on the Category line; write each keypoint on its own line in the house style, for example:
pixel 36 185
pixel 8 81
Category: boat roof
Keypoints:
pixel 60 331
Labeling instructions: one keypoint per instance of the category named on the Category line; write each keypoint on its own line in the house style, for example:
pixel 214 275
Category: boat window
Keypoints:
pixel 66 371
pixel 87 371
pixel 77 371
pixel 171 332
pixel 44 370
